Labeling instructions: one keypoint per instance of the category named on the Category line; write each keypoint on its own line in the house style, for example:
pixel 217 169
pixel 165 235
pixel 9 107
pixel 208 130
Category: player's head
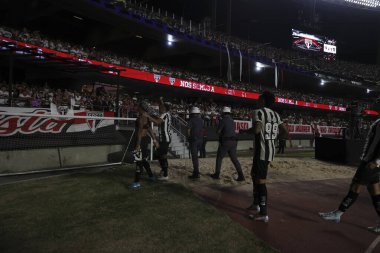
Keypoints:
pixel 164 107
pixel 143 106
pixel 266 99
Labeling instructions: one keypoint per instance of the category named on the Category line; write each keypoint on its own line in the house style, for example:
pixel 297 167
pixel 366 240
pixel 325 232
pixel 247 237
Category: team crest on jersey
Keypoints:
pixel 157 78
pixel 172 80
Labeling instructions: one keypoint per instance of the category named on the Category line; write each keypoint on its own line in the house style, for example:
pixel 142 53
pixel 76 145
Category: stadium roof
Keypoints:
pixel 52 60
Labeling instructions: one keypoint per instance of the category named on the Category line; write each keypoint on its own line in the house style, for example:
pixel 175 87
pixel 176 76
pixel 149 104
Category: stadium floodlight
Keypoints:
pixel 368 91
pixel 77 17
pixel 170 40
pixel 323 82
pixel 260 66
pixel 366 3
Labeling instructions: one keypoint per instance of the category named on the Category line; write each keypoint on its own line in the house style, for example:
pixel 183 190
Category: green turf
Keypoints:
pixel 98 213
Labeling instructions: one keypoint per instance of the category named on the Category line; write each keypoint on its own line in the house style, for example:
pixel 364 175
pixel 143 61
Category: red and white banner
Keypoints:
pixel 296 128
pixel 300 129
pixel 314 130
pixel 13 124
pixel 170 81
pixel 20 131
pixel 242 125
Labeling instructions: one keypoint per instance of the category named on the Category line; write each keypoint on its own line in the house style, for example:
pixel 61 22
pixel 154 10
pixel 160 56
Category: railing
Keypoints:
pixel 182 137
pixel 180 125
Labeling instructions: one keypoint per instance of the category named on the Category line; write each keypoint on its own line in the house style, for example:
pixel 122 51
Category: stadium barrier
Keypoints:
pixel 32 139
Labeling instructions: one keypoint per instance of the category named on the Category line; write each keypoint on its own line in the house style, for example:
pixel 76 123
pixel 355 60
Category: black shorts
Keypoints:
pixel 366 176
pixel 259 169
pixel 163 149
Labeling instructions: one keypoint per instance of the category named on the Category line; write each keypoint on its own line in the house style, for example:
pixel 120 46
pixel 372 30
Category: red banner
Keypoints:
pixel 165 80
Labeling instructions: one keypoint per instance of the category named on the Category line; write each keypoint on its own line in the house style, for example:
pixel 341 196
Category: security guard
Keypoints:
pixel 195 136
pixel 227 144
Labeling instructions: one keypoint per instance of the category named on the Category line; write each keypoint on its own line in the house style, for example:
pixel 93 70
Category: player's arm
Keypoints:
pixel 257 124
pixel 155 120
pixel 153 137
pixel 258 127
pixel 283 132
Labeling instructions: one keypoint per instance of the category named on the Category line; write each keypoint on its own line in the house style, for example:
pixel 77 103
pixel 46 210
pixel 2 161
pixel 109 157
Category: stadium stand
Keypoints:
pixel 268 54
pixel 36 38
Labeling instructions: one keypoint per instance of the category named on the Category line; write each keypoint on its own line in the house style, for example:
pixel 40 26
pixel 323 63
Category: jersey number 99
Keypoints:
pixel 271 131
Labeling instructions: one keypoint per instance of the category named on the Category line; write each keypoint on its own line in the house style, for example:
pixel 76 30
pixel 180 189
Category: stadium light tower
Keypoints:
pixel 362 4
pixel 366 3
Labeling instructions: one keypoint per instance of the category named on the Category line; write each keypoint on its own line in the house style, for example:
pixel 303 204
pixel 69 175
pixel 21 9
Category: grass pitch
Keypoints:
pixel 98 213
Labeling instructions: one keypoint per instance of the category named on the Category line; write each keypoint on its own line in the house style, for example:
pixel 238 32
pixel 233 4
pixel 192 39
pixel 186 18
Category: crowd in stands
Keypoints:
pixel 311 62
pixel 38 96
pixel 94 97
pixel 36 38
pixel 98 99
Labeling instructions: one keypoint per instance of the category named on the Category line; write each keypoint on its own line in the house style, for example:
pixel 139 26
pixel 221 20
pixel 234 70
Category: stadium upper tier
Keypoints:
pixel 288 59
pixel 143 71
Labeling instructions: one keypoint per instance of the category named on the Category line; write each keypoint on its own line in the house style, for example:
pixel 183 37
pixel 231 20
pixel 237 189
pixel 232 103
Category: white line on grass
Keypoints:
pixel 33 179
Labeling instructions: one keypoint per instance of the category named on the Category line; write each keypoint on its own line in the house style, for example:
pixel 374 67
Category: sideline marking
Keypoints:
pixel 373 245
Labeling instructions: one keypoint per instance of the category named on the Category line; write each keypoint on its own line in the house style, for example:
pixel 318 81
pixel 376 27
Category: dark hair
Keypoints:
pixel 144 105
pixel 268 98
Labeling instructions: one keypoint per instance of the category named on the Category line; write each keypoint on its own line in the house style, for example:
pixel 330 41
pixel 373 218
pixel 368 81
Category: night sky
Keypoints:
pixel 357 31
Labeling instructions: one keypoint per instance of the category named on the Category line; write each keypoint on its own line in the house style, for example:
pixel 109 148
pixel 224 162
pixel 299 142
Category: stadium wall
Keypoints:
pixel 16 161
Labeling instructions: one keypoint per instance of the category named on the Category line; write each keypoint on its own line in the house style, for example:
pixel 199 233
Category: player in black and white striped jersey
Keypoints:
pixel 164 136
pixel 367 175
pixel 267 127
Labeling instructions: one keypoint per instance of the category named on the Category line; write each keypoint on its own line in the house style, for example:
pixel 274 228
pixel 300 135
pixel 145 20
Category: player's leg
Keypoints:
pixel 255 204
pixel 136 182
pixel 261 188
pixel 358 183
pixel 163 160
pixel 374 190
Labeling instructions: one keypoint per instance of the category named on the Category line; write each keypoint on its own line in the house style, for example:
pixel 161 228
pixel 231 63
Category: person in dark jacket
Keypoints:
pixel 195 136
pixel 227 144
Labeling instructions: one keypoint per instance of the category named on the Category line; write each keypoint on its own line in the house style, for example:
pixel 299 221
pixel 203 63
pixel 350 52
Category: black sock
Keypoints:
pixel 164 166
pixel 376 203
pixel 255 195
pixel 138 171
pixel 348 201
pixel 147 168
pixel 262 192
